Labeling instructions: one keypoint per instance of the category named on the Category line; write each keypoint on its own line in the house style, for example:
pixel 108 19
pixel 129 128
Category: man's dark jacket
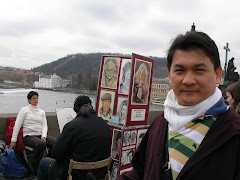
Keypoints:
pixel 84 139
pixel 218 156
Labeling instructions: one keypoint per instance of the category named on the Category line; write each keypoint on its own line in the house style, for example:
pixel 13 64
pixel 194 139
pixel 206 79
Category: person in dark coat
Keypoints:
pixel 198 135
pixel 85 139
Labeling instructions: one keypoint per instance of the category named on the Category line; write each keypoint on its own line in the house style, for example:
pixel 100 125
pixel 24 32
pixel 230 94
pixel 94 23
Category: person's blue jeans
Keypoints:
pixel 43 168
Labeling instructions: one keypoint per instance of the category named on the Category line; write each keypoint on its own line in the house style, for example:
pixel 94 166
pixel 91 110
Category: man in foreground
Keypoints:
pixel 85 139
pixel 201 133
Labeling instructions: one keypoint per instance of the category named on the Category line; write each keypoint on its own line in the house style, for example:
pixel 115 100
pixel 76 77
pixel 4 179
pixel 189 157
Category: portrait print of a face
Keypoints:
pixel 141 133
pixel 122 110
pixel 125 76
pixel 116 144
pixel 110 72
pixel 114 172
pixel 141 82
pixel 124 158
pixel 106 102
pixel 133 139
pixel 126 138
pixel 130 155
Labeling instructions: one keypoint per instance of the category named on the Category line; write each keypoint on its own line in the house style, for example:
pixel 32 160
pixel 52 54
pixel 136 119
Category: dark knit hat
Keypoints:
pixel 80 101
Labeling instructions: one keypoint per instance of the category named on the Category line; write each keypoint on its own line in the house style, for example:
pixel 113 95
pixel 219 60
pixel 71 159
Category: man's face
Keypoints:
pixel 124 112
pixel 192 76
pixel 106 105
pixel 110 69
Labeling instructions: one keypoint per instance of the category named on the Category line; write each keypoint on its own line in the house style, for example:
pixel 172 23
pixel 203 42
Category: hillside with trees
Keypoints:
pixel 80 63
pixel 84 68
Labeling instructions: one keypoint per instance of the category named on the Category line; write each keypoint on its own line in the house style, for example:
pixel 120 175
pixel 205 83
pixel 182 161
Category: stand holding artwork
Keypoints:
pixel 123 101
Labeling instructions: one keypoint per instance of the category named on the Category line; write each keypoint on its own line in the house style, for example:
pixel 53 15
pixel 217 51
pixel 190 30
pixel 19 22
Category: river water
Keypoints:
pixel 12 100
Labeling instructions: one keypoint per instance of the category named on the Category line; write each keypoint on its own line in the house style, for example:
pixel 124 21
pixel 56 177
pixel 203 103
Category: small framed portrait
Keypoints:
pixel 133 139
pixel 130 155
pixel 122 110
pixel 124 158
pixel 110 72
pixel 141 82
pixel 116 144
pixel 125 76
pixel 106 104
pixel 126 138
pixel 114 172
pixel 141 134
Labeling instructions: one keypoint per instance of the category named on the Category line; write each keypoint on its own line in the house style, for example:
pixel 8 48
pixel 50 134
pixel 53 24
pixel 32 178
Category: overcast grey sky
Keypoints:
pixel 34 32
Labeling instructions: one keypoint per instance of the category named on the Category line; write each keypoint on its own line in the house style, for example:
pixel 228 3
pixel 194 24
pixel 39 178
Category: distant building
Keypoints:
pixel 51 81
pixel 160 88
pixel 2 73
pixel 6 73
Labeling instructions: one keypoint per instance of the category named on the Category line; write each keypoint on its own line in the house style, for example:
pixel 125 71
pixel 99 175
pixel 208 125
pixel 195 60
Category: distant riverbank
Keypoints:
pixel 17 85
pixel 72 90
pixel 12 100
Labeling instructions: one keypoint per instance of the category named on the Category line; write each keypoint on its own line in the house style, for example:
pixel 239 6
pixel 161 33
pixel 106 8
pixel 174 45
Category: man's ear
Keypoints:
pixel 168 72
pixel 218 74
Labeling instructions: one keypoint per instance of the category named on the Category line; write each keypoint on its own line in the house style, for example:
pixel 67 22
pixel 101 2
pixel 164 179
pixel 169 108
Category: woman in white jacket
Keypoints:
pixel 34 123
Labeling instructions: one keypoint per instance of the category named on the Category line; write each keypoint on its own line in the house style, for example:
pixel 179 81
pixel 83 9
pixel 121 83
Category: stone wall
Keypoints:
pixel 53 129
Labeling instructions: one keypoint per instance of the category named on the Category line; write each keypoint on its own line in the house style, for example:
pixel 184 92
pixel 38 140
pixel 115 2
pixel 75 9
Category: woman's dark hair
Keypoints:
pixel 31 94
pixel 193 41
pixel 119 135
pixel 234 90
pixel 85 110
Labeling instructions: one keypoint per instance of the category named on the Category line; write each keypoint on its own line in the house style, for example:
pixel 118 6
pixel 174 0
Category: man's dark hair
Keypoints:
pixel 31 94
pixel 85 110
pixel 193 41
pixel 81 101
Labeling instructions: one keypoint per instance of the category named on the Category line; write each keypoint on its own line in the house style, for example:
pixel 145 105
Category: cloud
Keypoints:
pixel 33 33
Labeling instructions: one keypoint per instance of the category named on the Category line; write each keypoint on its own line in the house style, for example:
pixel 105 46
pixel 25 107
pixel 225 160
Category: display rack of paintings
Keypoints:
pixel 123 101
pixel 124 89
pixel 124 143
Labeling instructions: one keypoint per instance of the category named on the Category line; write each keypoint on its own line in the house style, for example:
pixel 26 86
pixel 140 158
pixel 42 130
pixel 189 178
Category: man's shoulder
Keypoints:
pixel 159 122
pixel 159 117
pixel 230 114
pixel 230 119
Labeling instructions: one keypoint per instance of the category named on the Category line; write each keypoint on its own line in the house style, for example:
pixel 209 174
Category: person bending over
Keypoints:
pixel 85 139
